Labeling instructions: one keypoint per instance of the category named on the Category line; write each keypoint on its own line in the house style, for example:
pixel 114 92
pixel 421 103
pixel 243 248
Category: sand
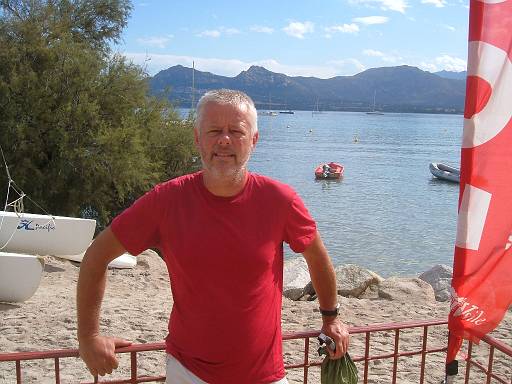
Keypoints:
pixel 137 305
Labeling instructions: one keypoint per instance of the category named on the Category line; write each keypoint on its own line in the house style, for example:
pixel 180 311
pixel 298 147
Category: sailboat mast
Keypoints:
pixel 193 86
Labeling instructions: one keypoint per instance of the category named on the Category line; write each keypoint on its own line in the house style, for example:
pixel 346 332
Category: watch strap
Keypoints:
pixel 330 312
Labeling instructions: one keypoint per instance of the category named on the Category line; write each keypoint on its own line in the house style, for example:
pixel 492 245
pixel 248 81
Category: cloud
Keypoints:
pixel 347 66
pixel 385 57
pixel 230 31
pixel 450 63
pixel 329 70
pixel 449 27
pixel 155 41
pixel 444 62
pixel 262 29
pixel 209 33
pixel 298 29
pixel 154 63
pixel 393 59
pixel 385 5
pixel 370 20
pixel 436 3
pixel 345 28
pixel 373 53
pixel 216 33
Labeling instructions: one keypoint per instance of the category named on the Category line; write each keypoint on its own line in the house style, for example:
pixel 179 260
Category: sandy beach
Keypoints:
pixel 137 305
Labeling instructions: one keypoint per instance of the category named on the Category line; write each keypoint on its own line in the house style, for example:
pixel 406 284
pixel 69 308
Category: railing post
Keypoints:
pixel 423 354
pixel 306 359
pixel 133 366
pixel 489 365
pixel 57 371
pixel 395 357
pixel 366 356
pixel 468 362
pixel 18 372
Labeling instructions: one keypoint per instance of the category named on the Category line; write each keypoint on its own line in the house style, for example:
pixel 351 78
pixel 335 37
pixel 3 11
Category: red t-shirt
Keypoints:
pixel 225 260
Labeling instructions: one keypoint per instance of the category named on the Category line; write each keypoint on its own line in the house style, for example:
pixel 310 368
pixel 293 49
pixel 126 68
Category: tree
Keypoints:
pixel 80 134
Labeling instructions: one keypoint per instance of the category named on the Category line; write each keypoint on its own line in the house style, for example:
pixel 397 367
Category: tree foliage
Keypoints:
pixel 79 132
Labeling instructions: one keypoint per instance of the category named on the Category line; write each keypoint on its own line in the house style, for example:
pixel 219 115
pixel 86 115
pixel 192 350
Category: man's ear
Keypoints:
pixel 255 138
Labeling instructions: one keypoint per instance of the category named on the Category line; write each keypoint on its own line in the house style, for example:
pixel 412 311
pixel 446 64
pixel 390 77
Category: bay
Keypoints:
pixel 387 213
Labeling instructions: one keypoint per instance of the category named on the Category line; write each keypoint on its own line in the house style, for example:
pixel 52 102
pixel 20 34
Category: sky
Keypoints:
pixel 320 38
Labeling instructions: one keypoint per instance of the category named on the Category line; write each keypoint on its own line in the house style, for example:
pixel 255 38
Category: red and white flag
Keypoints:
pixel 482 271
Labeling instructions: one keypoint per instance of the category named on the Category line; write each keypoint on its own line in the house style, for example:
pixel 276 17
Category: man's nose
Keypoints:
pixel 224 138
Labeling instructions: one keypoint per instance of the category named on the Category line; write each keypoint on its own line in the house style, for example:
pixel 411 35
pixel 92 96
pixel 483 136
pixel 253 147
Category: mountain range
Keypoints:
pixel 395 89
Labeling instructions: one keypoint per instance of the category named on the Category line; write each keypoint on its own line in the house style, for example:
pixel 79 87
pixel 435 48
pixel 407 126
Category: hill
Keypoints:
pixel 398 89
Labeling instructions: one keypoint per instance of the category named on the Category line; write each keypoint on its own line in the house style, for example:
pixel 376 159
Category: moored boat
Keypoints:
pixel 445 172
pixel 267 113
pixel 374 111
pixel 20 276
pixel 44 235
pixel 329 171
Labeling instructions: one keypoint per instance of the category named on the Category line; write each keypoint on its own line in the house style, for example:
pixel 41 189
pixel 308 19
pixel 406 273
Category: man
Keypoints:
pixel 220 232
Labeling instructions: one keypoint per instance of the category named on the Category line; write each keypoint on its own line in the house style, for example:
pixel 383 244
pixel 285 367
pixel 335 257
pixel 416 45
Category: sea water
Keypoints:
pixel 387 213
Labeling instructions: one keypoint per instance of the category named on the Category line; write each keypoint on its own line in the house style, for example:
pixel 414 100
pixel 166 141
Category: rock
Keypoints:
pixel 309 293
pixel 372 292
pixel 353 280
pixel 406 290
pixel 295 278
pixel 440 278
pixel 151 261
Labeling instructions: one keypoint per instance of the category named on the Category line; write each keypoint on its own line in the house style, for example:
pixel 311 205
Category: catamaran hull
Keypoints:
pixel 125 261
pixel 40 235
pixel 20 276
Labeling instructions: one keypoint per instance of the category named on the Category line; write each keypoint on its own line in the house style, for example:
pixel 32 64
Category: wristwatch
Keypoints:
pixel 331 312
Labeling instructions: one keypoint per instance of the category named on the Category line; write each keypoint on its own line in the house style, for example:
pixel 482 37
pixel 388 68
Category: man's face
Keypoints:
pixel 225 139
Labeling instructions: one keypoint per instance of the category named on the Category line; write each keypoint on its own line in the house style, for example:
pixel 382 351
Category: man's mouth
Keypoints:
pixel 223 155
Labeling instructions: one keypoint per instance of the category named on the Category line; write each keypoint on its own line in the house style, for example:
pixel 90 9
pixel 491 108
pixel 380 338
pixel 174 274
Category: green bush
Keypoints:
pixel 79 132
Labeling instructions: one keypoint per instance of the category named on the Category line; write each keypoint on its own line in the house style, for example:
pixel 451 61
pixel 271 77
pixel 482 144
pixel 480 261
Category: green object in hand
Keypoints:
pixel 340 371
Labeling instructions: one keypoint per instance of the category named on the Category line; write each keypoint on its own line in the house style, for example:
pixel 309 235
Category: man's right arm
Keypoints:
pixel 95 350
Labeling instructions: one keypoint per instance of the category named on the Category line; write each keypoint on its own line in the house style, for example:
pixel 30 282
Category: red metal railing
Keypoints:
pixel 364 359
pixel 488 371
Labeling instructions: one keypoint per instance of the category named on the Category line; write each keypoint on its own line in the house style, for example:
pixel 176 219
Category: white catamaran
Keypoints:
pixel 44 235
pixel 25 237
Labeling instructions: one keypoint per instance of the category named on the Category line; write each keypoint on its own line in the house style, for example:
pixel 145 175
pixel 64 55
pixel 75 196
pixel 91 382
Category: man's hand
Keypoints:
pixel 98 353
pixel 337 331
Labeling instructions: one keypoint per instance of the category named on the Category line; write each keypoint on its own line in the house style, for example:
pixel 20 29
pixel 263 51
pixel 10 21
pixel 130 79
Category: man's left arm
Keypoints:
pixel 323 278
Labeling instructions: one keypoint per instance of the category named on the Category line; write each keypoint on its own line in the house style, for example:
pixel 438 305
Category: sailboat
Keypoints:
pixel 374 111
pixel 193 104
pixel 286 110
pixel 317 108
pixel 269 112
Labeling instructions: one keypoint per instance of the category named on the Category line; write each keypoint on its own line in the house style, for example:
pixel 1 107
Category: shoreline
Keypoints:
pixel 137 305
